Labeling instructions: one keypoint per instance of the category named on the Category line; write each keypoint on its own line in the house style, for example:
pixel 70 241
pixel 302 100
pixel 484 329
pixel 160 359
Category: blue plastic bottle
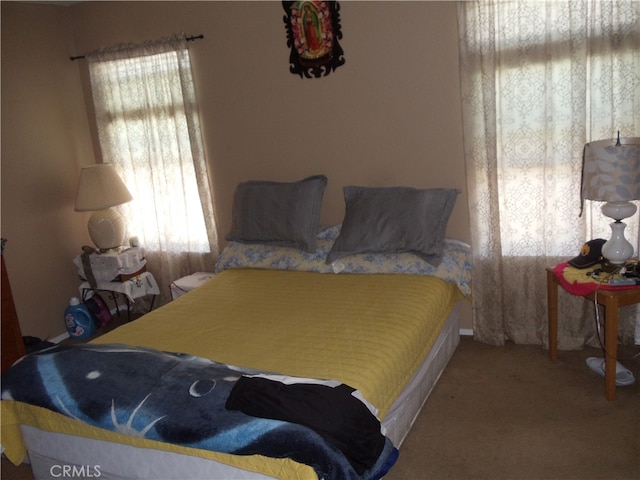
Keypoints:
pixel 78 319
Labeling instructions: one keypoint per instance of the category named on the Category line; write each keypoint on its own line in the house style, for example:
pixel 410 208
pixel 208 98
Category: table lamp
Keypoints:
pixel 99 189
pixel 611 174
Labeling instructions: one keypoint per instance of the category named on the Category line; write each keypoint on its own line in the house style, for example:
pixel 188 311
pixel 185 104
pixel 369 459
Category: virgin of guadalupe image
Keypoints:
pixel 313 31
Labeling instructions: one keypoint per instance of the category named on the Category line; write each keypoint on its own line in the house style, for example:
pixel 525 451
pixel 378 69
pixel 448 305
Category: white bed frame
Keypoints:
pixel 56 455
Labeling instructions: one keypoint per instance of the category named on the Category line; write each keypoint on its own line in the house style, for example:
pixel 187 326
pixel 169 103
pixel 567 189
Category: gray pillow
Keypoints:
pixel 393 220
pixel 278 213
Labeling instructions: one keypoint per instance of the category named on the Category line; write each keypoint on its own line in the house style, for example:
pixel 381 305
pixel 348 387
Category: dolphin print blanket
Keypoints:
pixel 199 403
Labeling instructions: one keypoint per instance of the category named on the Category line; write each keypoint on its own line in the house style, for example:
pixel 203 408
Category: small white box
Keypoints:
pixel 188 283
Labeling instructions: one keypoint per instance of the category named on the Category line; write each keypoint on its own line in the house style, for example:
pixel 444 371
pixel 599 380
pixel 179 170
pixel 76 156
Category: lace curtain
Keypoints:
pixel 539 79
pixel 147 120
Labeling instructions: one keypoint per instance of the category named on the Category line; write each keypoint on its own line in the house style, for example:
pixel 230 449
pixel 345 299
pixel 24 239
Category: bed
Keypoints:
pixel 381 322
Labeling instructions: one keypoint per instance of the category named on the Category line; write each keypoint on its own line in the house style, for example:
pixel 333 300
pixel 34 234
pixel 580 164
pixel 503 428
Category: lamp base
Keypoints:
pixel 618 210
pixel 106 229
pixel 617 250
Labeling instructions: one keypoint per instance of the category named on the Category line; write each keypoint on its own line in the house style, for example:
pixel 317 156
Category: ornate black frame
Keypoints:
pixel 329 54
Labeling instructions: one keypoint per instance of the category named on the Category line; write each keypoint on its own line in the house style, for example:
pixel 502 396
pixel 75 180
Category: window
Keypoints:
pixel 148 126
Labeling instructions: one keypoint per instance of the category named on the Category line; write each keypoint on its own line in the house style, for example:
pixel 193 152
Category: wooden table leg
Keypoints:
pixel 552 315
pixel 610 346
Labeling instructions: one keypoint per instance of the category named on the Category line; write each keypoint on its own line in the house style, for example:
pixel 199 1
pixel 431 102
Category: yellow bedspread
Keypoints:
pixel 368 331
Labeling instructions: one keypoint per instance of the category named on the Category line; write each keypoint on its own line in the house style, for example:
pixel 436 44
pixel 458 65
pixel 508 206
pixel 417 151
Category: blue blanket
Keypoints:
pixel 169 397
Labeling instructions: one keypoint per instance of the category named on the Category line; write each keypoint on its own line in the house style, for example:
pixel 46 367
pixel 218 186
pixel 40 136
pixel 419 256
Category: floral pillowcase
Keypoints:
pixel 455 266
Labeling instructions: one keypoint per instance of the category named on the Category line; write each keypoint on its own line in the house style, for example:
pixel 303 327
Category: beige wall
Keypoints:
pixel 389 116
pixel 45 140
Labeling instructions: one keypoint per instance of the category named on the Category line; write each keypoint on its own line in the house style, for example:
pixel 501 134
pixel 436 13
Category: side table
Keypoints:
pixel 611 300
pixel 122 271
pixel 132 288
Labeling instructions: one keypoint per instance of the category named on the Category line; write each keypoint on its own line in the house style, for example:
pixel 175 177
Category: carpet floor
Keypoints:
pixel 509 413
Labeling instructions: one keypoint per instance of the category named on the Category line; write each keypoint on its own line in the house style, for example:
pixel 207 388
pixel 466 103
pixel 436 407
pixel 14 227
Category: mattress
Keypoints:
pixel 118 461
pixel 368 331
pixel 372 332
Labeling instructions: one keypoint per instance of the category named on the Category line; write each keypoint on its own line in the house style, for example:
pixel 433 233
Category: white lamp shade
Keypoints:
pixel 611 172
pixel 100 187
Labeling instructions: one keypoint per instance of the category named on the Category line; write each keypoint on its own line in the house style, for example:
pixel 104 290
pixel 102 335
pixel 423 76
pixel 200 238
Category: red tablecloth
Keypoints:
pixel 577 281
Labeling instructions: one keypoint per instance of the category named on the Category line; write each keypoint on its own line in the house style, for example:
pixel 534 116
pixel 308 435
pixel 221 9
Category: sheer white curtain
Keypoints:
pixel 539 80
pixel 147 120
